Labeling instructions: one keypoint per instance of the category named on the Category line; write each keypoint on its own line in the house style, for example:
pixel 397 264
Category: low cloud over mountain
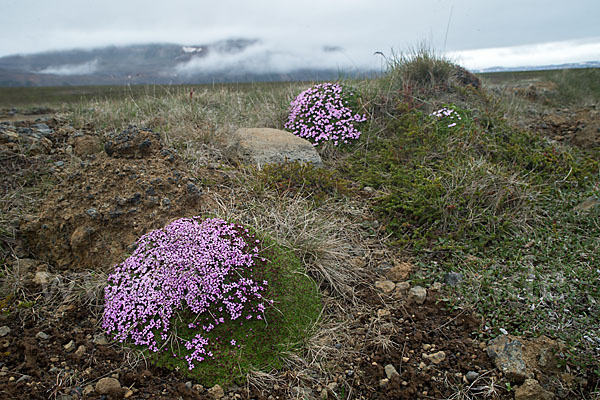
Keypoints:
pixel 223 61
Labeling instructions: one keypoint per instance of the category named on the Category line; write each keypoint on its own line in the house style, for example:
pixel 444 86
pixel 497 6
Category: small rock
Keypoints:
pixel 41 278
pixel 422 365
pixel 108 386
pixel 198 388
pixel 436 286
pixel 507 354
pixel 80 351
pixel 4 330
pixel 260 146
pixel 399 272
pixel 453 278
pixel 472 376
pixel 188 384
pixel 89 389
pixel 216 392
pixel 42 336
pixel 59 164
pixel 436 358
pixel 128 393
pixel 383 383
pixel 92 212
pixel 532 390
pixel 390 371
pixel 332 386
pixel 368 189
pixel 385 286
pixel 69 346
pixel 426 346
pixel 382 313
pixel 417 294
pixel 100 339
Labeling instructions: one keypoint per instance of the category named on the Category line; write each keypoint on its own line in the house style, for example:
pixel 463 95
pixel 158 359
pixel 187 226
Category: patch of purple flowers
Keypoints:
pixel 204 266
pixel 322 113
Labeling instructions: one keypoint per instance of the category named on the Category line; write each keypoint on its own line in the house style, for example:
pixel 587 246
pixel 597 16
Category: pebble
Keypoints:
pixel 472 376
pixel 107 385
pixel 41 278
pixel 382 313
pixel 390 371
pixel 188 384
pixel 128 393
pixel 216 392
pixel 89 389
pixel 80 351
pixel 417 294
pixel 69 346
pixel 42 336
pixel 383 382
pixel 436 358
pixel 4 330
pixel 453 278
pixel 100 339
pixel 385 286
pixel 198 388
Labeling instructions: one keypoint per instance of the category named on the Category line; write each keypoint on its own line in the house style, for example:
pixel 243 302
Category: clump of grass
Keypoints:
pixel 323 235
pixel 204 118
pixel 580 87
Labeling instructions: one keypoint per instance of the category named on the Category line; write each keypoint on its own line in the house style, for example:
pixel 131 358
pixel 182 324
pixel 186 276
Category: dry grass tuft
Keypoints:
pixel 324 238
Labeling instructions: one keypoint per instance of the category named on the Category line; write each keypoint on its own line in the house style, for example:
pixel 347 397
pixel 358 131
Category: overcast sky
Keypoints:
pixel 476 33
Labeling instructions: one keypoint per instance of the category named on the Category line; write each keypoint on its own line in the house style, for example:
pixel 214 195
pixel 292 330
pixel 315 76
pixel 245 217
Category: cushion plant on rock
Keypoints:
pixel 325 113
pixel 211 299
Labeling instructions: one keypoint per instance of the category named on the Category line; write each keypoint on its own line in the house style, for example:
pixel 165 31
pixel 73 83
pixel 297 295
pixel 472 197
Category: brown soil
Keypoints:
pixel 102 203
pixel 107 195
pixel 580 127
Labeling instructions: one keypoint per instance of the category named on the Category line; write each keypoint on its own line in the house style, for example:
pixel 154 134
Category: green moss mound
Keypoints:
pixel 286 326
pixel 187 257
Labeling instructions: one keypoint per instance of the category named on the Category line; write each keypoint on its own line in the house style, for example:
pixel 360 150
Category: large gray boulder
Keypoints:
pixel 262 146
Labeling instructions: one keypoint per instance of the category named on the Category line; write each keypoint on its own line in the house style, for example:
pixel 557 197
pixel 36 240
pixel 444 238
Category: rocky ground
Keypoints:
pixel 399 341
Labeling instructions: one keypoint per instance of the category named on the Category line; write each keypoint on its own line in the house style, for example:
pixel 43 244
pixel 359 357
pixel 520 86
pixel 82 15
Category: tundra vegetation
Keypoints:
pixel 447 165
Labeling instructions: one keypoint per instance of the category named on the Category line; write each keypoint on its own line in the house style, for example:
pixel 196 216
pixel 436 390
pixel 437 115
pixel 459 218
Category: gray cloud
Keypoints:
pixel 294 29
pixel 71 69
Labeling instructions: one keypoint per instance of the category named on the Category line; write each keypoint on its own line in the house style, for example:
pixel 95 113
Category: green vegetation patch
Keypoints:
pixel 211 300
pixel 470 194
